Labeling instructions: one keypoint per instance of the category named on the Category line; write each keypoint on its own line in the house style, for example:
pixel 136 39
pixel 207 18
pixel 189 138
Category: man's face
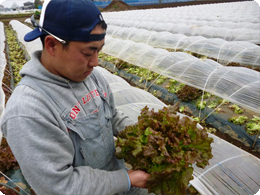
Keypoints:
pixel 77 60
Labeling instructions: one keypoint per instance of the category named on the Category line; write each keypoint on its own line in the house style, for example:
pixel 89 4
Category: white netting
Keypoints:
pixel 243 25
pixel 28 20
pixel 2 69
pixel 2 53
pixel 130 99
pixel 231 171
pixel 240 34
pixel 242 52
pixel 235 12
pixel 236 84
pixel 112 79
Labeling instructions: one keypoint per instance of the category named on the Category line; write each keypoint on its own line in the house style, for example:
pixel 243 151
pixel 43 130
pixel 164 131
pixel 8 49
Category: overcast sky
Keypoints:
pixel 9 3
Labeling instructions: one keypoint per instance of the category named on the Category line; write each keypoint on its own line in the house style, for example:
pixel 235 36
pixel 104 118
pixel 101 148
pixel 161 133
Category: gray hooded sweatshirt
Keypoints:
pixel 61 133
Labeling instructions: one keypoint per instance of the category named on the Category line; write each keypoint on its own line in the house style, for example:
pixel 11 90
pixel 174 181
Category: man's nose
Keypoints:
pixel 94 59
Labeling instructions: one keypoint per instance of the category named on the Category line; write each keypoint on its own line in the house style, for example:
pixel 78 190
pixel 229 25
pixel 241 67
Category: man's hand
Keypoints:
pixel 138 178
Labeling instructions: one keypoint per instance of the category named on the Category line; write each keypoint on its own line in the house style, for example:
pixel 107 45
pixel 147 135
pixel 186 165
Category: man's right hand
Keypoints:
pixel 138 178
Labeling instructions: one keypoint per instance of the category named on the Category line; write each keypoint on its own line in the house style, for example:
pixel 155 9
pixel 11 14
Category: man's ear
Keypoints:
pixel 50 44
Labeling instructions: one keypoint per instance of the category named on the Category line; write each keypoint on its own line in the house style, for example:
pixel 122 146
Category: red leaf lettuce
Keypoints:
pixel 165 145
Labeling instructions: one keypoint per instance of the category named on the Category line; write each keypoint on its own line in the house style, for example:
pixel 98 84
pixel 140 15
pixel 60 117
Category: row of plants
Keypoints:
pixel 17 15
pixel 200 56
pixel 203 57
pixel 15 61
pixel 16 54
pixel 185 93
pixel 232 55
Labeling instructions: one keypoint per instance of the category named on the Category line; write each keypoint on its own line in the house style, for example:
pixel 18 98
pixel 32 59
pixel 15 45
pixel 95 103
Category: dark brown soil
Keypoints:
pixel 116 5
pixel 7 20
pixel 237 143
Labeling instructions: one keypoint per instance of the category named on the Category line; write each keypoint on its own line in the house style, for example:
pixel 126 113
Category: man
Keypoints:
pixel 61 118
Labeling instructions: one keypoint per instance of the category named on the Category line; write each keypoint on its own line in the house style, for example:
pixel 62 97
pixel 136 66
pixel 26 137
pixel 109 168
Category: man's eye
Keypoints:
pixel 88 55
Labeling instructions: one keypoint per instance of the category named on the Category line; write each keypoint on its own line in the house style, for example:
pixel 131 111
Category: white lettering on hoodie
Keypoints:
pixel 85 99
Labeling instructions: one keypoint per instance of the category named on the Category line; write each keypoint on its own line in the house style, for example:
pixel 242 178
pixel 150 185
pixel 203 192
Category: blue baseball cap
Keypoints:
pixel 71 20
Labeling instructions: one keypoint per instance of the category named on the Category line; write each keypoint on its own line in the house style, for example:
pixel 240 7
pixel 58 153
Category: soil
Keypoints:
pixel 7 20
pixel 117 6
pixel 237 143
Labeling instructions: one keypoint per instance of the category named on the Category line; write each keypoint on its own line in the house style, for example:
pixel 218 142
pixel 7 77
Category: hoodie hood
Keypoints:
pixel 82 95
pixel 35 69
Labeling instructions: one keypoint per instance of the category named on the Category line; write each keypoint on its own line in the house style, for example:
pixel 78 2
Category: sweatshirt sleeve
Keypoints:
pixel 45 152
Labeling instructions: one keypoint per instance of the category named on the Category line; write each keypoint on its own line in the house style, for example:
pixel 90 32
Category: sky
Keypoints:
pixel 9 3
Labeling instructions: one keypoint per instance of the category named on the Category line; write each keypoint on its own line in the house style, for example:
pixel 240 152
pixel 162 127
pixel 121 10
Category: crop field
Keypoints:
pixel 203 58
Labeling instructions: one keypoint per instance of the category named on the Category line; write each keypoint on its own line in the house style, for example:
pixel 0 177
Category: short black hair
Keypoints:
pixel 103 25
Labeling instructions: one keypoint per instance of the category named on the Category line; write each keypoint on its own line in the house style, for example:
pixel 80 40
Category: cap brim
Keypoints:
pixel 33 35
